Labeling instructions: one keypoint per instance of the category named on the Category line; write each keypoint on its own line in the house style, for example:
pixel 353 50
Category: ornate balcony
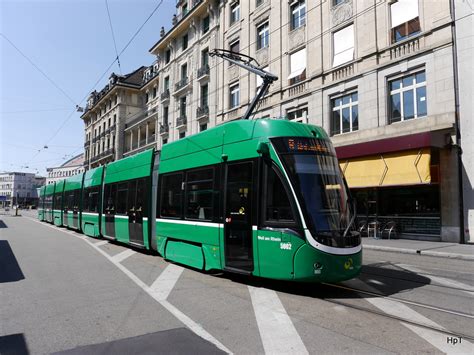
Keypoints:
pixel 164 128
pixel 203 72
pixel 181 84
pixel 165 95
pixel 181 121
pixel 202 111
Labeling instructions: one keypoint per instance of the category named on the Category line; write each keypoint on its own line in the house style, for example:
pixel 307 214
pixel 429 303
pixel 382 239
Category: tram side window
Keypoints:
pixel 70 200
pixel 142 202
pixel 171 195
pixel 110 193
pixel 277 204
pixel 122 194
pixel 58 201
pixel 199 194
pixel 77 198
pixel 91 199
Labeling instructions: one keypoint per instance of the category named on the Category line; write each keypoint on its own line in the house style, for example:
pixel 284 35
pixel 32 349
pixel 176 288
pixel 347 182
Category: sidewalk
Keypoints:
pixel 438 249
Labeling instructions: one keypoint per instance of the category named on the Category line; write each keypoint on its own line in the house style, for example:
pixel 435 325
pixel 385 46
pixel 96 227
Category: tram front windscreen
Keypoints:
pixel 314 172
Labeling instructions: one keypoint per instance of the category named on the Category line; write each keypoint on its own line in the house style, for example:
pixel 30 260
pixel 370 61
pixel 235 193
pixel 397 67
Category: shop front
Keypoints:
pixel 396 184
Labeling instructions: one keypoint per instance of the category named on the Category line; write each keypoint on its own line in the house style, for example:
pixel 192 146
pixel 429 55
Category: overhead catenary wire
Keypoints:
pixel 113 36
pixel 38 69
pixel 100 78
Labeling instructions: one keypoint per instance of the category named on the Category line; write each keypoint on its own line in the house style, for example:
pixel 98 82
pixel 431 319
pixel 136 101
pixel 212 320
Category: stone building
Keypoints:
pixel 378 76
pixel 71 167
pixel 106 115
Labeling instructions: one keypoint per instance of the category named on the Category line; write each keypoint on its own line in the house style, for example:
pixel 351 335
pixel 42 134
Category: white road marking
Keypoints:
pixel 164 284
pixel 102 242
pixel 277 331
pixel 122 255
pixel 192 325
pixel 400 310
pixel 440 280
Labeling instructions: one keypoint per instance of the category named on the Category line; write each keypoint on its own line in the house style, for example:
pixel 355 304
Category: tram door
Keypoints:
pixel 136 206
pixel 238 216
pixel 110 193
pixel 75 211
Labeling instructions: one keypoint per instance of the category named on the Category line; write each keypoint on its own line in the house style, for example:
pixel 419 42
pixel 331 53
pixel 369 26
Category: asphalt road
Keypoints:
pixel 63 292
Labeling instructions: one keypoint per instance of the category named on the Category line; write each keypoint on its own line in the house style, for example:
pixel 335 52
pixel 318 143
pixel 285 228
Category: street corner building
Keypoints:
pixel 390 81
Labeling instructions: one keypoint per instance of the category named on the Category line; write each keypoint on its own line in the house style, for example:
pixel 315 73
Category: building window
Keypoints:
pixel 165 115
pixel 345 113
pixel 298 14
pixel 263 35
pixel 234 96
pixel 166 83
pixel 405 20
pixel 299 115
pixel 204 95
pixel 182 106
pixel 182 135
pixel 154 92
pixel 258 3
pixel 147 97
pixel 184 42
pixel 205 57
pixel 337 2
pixel 202 127
pixel 234 12
pixel 235 47
pixel 205 24
pixel 408 97
pixel 297 66
pixel 343 45
pixel 167 56
pixel 184 71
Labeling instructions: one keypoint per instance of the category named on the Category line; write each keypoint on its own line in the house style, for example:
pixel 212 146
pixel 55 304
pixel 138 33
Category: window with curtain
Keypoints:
pixel 297 66
pixel 343 45
pixel 405 20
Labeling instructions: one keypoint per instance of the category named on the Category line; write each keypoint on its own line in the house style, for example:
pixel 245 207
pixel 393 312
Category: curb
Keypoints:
pixel 420 252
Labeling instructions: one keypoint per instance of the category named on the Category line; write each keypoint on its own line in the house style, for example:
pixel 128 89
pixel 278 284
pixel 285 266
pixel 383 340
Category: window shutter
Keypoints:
pixel 297 63
pixel 343 45
pixel 403 11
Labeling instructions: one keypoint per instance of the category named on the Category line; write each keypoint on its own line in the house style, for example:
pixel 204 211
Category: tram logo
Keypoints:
pixel 348 265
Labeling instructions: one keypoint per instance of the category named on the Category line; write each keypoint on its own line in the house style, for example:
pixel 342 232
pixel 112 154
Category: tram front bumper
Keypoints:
pixel 316 266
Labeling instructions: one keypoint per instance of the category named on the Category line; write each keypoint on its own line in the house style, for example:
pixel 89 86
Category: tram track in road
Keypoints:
pixel 412 322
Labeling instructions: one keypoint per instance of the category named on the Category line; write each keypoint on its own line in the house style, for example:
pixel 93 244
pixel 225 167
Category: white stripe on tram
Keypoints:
pixel 90 214
pixel 123 255
pixel 189 223
pixel 278 334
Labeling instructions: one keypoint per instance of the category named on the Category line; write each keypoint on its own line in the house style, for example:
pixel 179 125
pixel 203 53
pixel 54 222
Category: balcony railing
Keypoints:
pixel 181 121
pixel 181 84
pixel 164 128
pixel 203 71
pixel 202 111
pixel 165 94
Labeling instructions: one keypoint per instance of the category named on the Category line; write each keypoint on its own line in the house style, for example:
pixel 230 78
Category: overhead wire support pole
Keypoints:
pixel 244 61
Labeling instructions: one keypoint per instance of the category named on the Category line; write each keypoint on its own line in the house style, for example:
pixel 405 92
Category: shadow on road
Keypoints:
pixel 10 271
pixel 375 276
pixel 2 224
pixel 13 344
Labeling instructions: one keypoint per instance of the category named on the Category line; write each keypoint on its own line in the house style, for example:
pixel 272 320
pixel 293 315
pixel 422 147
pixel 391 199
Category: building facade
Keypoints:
pixel 19 188
pixel 72 167
pixel 106 115
pixel 378 76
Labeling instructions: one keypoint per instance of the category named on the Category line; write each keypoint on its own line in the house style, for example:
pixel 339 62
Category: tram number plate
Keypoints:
pixel 285 246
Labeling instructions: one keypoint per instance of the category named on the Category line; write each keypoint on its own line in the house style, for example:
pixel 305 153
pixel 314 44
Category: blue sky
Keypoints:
pixel 71 41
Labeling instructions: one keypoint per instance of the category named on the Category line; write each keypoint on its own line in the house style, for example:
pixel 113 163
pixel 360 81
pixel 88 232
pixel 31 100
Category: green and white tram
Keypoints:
pixel 259 197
